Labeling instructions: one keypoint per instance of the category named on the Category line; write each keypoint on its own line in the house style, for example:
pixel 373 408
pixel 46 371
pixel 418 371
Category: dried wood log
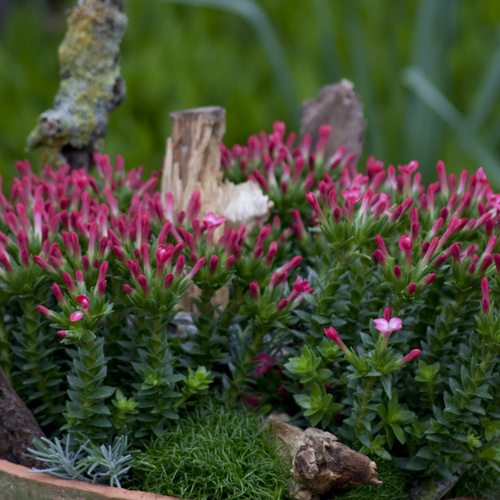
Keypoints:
pixel 340 107
pixel 91 86
pixel 320 463
pixel 18 426
pixel 192 162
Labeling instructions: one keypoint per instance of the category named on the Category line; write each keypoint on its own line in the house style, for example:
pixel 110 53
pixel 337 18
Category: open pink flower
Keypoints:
pixel 387 327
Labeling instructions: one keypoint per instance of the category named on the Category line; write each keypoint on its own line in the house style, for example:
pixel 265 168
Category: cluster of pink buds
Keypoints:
pixel 80 303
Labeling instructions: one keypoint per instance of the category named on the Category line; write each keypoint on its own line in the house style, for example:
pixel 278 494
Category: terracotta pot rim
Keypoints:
pixel 10 473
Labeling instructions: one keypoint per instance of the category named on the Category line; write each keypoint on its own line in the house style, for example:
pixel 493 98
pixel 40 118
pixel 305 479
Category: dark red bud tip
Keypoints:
pixel 254 290
pixel 282 304
pixel 387 313
pixel 43 310
pixel 212 266
pixel 397 272
pixel 62 333
pixel 128 289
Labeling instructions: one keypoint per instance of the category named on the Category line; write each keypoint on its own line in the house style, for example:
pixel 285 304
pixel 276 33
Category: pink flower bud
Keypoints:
pixel 412 287
pixel 282 304
pixel 69 282
pixel 486 263
pixel 496 259
pixel 143 282
pixel 253 400
pixel 36 259
pixel 485 292
pixel 79 278
pixel 85 263
pixel 379 241
pixel 294 262
pixel 405 245
pixel 43 310
pixel 254 290
pixel 62 334
pixel 168 281
pixel 230 261
pixel 196 267
pixel 409 357
pixel 332 334
pixel 312 200
pixel 179 264
pixel 282 391
pixel 397 272
pixel 273 248
pixel 429 279
pixel 128 289
pixel 258 252
pixel 101 288
pixel 264 233
pixel 102 271
pixel 25 257
pixel 387 313
pixel 378 257
pixel 58 294
pixel 212 265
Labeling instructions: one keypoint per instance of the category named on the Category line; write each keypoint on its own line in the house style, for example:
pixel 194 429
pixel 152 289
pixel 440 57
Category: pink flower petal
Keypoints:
pixel 395 324
pixel 381 325
pixel 76 316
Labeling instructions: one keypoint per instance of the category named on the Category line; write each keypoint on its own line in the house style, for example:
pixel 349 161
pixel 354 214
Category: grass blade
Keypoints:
pixel 486 94
pixel 259 20
pixel 328 46
pixel 443 108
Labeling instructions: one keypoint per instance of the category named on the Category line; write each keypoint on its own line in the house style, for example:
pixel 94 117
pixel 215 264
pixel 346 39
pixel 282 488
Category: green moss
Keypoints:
pixel 214 454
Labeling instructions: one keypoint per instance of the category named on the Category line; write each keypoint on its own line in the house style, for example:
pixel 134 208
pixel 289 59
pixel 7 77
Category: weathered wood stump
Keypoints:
pixel 192 162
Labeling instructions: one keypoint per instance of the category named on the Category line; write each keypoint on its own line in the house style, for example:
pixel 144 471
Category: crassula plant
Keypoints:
pixel 365 304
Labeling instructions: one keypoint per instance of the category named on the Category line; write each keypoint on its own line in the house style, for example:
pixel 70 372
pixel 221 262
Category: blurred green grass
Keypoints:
pixel 412 62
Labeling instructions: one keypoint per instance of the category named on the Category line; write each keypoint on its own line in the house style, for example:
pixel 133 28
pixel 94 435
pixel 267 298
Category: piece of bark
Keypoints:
pixel 18 426
pixel 320 463
pixel 340 107
pixel 91 86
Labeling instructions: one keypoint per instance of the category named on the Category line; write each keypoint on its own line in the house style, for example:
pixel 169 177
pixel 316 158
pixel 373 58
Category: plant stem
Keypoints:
pixel 243 368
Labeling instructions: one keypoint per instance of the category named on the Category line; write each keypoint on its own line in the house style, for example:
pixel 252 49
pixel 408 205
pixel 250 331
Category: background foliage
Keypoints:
pixel 180 56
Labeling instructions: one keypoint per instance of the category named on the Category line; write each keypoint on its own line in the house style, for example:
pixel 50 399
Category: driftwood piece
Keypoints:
pixel 91 86
pixel 320 463
pixel 340 107
pixel 192 162
pixel 18 426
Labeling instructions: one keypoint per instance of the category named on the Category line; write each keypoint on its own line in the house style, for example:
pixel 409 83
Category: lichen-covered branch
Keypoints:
pixel 91 86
